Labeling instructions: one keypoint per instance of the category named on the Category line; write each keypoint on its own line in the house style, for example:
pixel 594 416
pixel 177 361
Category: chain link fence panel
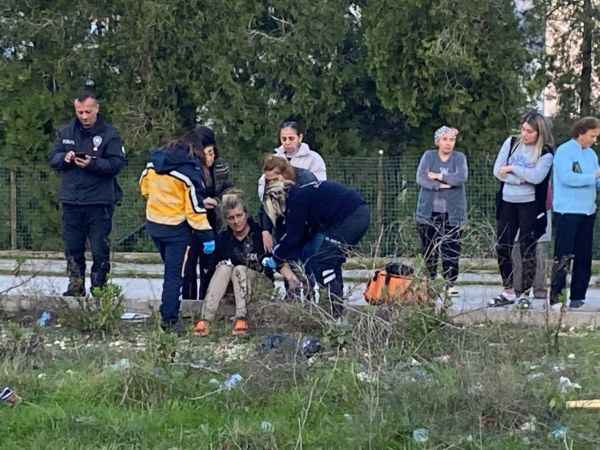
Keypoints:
pixel 30 215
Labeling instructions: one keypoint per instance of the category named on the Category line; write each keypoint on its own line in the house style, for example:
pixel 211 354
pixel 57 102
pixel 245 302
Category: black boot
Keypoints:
pixel 98 280
pixel 76 272
pixel 76 287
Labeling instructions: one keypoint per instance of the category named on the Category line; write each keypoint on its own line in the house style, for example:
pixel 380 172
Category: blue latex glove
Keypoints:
pixel 208 247
pixel 269 262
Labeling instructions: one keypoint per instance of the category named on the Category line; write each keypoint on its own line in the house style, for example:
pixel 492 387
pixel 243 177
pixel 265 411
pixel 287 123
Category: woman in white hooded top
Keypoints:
pixel 299 155
pixel 297 152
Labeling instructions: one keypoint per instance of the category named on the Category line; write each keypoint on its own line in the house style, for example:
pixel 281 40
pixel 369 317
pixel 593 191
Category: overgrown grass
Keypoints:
pixel 377 380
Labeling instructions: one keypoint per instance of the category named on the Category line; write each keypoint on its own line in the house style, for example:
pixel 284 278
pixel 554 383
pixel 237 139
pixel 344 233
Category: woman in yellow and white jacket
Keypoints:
pixel 175 210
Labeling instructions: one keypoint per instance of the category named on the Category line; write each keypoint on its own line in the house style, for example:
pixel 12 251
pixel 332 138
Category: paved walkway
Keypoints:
pixel 141 284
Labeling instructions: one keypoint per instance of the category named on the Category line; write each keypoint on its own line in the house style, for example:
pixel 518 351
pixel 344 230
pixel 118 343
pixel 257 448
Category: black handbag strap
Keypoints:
pixel 511 150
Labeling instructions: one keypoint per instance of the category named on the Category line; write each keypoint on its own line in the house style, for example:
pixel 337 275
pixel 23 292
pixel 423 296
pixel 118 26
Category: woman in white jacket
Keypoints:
pixel 297 153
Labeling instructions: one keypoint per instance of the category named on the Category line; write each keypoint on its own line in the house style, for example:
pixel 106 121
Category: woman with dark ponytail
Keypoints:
pixel 216 177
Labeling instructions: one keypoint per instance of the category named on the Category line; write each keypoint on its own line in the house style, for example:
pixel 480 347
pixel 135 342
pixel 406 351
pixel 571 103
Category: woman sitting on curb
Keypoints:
pixel 239 254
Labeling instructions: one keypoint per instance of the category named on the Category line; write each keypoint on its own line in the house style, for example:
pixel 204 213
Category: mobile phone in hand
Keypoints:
pixel 81 155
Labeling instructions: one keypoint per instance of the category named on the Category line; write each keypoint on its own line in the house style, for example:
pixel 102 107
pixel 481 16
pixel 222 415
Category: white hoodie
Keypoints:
pixel 304 158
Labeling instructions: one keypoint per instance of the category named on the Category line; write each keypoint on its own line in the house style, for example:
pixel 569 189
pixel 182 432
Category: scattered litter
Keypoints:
pixel 198 365
pixel 232 381
pixel 134 317
pixel 559 433
pixel 412 374
pixel 535 376
pixel 421 435
pixel 529 426
pixel 214 381
pixel 267 427
pixel 310 346
pixel 9 396
pixel 488 421
pixel 588 404
pixel 475 388
pixel 348 417
pixel 565 385
pixel 41 376
pixel 414 362
pixel 422 375
pixel 573 335
pixel 87 420
pixel 122 364
pixel 365 377
pixel 44 319
pixel 571 356
pixel 443 359
pixel 275 341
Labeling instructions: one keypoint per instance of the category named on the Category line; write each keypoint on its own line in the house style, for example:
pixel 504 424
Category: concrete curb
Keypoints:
pixel 20 303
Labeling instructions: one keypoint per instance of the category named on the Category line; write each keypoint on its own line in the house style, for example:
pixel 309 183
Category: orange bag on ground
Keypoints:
pixel 388 288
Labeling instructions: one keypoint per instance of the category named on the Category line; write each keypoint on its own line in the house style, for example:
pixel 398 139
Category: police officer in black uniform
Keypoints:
pixel 88 154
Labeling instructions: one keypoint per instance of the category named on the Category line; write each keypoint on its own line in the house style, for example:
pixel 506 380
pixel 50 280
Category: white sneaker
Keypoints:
pixel 503 299
pixel 523 302
pixel 453 291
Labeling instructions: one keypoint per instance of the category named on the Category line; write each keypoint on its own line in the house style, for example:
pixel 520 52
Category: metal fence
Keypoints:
pixel 30 213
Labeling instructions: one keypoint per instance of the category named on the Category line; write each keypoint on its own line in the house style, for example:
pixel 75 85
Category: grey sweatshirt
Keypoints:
pixel 519 185
pixel 455 175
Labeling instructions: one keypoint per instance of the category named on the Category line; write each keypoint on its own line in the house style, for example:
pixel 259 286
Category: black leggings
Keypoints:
pixel 515 217
pixel 205 263
pixel 439 237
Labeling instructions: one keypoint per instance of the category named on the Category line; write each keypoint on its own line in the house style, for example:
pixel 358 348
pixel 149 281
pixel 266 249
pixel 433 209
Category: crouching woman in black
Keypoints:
pixel 337 218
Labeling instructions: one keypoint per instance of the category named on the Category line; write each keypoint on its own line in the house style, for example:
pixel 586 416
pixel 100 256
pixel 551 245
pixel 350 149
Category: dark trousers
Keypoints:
pixel 440 238
pixel 574 235
pixel 325 265
pixel 513 218
pixel 195 260
pixel 82 222
pixel 172 251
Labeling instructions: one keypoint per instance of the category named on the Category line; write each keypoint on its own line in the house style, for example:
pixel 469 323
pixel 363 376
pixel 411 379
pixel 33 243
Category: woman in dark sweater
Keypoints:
pixel 216 177
pixel 442 205
pixel 239 255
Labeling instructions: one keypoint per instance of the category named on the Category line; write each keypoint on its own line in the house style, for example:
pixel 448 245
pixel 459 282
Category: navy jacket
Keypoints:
pixel 303 176
pixel 317 206
pixel 97 183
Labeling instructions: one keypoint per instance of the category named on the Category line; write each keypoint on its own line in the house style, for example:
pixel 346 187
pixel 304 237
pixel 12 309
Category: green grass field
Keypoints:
pixel 375 381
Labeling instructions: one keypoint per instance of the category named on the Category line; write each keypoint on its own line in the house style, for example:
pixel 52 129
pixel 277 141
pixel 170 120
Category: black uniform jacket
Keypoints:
pixel 97 183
